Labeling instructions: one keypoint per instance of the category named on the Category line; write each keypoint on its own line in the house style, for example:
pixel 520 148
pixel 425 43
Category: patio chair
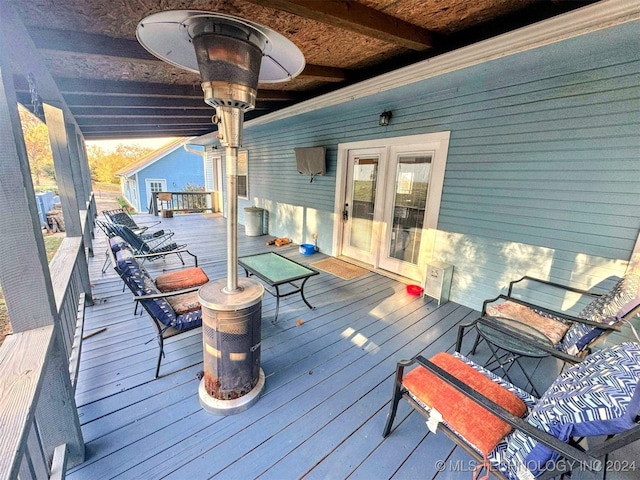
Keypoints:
pixel 153 239
pixel 120 216
pixel 571 335
pixel 153 248
pixel 515 436
pixel 165 282
pixel 170 300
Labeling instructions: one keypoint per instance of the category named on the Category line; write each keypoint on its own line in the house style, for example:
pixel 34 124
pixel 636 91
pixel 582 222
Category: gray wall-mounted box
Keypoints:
pixel 311 161
pixel 438 282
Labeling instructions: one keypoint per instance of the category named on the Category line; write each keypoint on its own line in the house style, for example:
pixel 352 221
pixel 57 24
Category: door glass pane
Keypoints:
pixel 365 176
pixel 409 203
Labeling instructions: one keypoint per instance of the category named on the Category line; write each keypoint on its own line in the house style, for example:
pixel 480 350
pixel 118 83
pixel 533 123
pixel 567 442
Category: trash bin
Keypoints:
pixel 253 221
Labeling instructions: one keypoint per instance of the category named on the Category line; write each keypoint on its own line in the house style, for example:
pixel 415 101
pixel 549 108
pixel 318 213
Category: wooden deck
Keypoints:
pixel 328 381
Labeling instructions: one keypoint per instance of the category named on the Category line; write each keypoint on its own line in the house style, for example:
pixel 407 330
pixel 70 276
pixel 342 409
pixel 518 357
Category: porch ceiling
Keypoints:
pixel 115 89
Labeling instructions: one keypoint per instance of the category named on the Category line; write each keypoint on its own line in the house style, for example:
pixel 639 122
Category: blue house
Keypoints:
pixel 517 155
pixel 171 168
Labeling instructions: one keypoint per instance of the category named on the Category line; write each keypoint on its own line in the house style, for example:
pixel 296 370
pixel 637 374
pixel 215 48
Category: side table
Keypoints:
pixel 507 350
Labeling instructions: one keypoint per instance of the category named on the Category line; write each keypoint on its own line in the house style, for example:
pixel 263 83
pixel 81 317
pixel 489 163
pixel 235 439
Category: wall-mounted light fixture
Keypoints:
pixel 385 117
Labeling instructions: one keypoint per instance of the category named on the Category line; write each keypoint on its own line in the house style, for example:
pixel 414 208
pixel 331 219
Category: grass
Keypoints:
pixel 51 244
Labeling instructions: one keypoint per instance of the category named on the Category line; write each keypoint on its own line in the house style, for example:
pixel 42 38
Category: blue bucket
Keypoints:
pixel 307 249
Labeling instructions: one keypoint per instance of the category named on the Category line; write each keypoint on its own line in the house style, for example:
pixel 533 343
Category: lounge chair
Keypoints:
pixel 572 335
pixel 153 240
pixel 170 300
pixel 153 248
pixel 121 217
pixel 105 226
pixel 513 435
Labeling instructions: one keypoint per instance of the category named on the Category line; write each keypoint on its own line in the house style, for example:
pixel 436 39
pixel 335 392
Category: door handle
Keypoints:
pixel 345 212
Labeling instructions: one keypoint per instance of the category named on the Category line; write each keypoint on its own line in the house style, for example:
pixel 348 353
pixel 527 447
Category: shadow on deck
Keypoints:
pixel 328 380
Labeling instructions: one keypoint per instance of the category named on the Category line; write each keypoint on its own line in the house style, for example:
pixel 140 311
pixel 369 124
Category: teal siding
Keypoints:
pixel 543 170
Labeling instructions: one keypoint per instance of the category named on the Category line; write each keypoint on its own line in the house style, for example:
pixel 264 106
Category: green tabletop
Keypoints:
pixel 275 269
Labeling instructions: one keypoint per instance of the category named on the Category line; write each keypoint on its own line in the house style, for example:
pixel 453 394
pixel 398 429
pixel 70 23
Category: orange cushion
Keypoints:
pixel 184 303
pixel 477 425
pixel 185 278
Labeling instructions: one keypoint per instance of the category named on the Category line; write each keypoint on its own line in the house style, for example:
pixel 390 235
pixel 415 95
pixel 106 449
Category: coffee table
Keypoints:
pixel 493 330
pixel 276 270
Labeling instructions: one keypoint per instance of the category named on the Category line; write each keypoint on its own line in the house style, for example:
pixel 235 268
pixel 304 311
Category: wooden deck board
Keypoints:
pixel 294 382
pixel 328 375
pixel 327 400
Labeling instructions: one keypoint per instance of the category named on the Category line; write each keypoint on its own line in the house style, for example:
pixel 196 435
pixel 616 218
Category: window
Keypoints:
pixel 155 186
pixel 243 174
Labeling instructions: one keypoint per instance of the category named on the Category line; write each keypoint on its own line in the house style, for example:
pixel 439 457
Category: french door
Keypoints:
pixel 391 201
pixel 361 211
pixel 407 186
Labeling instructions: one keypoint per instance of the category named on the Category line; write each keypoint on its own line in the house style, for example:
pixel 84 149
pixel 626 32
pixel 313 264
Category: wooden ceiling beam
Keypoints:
pixel 141 121
pixel 89 44
pixel 86 112
pixel 355 17
pixel 326 74
pixel 93 44
pixel 141 130
pixel 112 101
pixel 85 86
pixel 92 112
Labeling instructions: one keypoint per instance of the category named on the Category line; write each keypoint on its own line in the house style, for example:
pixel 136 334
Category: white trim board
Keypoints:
pixel 604 14
pixel 438 142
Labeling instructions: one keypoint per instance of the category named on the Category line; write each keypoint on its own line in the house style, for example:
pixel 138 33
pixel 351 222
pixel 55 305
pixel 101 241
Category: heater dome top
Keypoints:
pixel 168 35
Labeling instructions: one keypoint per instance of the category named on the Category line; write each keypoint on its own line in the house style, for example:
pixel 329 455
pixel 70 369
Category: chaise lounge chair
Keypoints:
pixel 121 217
pixel 152 240
pixel 153 248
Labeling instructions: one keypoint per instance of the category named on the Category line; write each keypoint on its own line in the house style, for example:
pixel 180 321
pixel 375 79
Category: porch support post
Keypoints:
pixel 25 278
pixel 80 169
pixel 84 161
pixel 62 161
pixel 24 270
pixel 68 178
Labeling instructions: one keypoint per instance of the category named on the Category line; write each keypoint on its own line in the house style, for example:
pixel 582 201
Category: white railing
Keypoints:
pixel 30 446
pixel 70 299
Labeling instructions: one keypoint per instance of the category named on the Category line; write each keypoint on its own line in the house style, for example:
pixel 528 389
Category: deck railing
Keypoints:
pixel 38 374
pixel 185 202
pixel 70 299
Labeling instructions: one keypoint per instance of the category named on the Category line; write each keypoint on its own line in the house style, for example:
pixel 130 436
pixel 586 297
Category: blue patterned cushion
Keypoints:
pixel 160 309
pixel 141 283
pixel 599 396
pixel 188 320
pixel 133 274
pixel 603 309
pixel 117 244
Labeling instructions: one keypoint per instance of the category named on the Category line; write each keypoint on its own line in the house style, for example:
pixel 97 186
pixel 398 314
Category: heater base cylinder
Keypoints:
pixel 230 407
pixel 231 338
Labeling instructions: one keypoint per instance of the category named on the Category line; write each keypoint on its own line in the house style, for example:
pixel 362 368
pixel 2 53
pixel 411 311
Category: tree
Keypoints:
pixel 36 139
pixel 104 163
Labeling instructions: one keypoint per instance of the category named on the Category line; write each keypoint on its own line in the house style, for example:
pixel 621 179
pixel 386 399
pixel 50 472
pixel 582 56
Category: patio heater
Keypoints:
pixel 232 55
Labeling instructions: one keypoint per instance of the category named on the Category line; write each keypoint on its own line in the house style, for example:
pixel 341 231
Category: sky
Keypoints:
pixel 154 143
